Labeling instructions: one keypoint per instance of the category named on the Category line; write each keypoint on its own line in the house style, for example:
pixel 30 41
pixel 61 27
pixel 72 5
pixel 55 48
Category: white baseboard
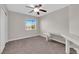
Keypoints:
pixel 2 48
pixel 21 38
pixel 53 39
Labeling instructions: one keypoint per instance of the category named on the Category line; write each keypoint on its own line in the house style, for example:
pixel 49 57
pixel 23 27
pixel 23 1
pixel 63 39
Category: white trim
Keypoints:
pixel 67 46
pixel 2 48
pixel 13 39
pixel 53 39
pixel 2 29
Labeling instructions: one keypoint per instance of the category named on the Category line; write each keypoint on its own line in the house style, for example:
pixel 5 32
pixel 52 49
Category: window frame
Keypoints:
pixel 34 24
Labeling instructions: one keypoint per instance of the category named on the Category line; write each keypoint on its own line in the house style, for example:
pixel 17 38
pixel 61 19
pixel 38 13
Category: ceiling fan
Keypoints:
pixel 36 8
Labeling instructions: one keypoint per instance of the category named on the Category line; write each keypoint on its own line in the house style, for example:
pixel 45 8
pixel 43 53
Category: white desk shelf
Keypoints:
pixel 68 38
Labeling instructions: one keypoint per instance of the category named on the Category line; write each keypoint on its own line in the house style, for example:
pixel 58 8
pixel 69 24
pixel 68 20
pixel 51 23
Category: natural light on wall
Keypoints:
pixel 30 24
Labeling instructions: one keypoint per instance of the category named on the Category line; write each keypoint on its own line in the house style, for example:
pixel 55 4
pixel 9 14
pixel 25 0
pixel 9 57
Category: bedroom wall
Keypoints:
pixel 56 22
pixel 6 18
pixel 17 26
pixel 3 26
pixel 74 19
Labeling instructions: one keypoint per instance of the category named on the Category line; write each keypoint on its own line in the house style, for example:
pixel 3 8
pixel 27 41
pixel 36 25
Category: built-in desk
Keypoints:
pixel 71 38
pixel 68 39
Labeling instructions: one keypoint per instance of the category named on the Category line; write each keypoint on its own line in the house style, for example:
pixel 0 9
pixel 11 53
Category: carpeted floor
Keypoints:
pixel 34 45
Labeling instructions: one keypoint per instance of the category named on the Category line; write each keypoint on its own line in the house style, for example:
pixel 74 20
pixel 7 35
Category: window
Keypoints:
pixel 30 24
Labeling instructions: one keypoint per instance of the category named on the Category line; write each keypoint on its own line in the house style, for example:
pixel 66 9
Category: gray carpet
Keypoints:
pixel 34 45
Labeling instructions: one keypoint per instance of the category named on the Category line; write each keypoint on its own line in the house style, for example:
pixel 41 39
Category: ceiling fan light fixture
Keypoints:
pixel 36 10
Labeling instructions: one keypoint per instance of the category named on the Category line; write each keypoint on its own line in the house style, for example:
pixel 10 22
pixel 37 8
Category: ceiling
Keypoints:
pixel 20 8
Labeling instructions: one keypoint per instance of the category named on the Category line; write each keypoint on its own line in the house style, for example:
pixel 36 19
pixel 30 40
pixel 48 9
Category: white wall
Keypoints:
pixel 17 26
pixel 56 22
pixel 74 19
pixel 74 22
pixel 3 26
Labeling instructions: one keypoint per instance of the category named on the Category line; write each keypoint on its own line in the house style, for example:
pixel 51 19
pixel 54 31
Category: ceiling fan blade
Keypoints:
pixel 38 13
pixel 31 11
pixel 40 5
pixel 42 10
pixel 29 7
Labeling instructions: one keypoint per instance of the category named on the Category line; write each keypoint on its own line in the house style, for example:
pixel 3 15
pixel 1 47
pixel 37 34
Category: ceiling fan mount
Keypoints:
pixel 36 8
